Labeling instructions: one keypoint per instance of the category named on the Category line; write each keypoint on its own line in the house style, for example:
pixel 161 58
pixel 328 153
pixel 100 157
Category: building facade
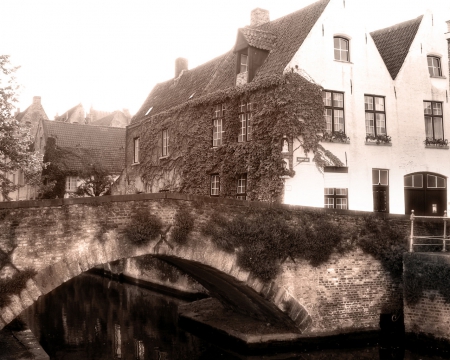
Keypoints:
pixel 385 104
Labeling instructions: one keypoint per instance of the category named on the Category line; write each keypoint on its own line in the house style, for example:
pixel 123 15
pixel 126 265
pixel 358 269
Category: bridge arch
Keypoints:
pixel 212 267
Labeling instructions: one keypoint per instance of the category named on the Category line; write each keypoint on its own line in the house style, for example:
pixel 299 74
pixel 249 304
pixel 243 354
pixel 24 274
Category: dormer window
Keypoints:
pixel 341 49
pixel 244 63
pixel 434 66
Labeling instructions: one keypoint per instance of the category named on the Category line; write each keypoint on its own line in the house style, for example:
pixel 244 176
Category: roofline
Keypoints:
pixel 97 126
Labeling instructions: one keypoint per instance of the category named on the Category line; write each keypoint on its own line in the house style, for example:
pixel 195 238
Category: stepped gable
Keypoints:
pixel 87 144
pixel 393 43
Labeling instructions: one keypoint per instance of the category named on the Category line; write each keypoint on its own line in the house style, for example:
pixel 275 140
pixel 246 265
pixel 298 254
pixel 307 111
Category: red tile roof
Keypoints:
pixel 284 36
pixel 393 43
pixel 87 144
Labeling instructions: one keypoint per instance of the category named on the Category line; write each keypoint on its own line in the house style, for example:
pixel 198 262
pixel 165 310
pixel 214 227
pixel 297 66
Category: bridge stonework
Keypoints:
pixel 62 238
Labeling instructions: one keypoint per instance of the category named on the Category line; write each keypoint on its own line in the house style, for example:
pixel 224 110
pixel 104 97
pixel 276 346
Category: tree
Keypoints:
pixel 15 138
pixel 95 181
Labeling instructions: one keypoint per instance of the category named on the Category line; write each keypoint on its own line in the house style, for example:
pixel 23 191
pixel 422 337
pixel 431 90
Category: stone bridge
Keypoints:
pixel 62 238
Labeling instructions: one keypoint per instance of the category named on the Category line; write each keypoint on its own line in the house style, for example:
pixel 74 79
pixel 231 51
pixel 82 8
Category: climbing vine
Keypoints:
pixel 286 105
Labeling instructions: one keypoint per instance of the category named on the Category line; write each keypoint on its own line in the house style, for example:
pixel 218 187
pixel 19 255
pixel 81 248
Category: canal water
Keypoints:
pixel 92 317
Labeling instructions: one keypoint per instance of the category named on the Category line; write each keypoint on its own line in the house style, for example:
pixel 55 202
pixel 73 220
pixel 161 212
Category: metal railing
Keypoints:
pixel 443 238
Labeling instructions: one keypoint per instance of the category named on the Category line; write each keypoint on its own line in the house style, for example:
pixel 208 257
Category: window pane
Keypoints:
pixel 243 63
pixel 329 203
pixel 438 130
pixel 418 181
pixel 329 191
pixel 341 204
pixel 428 127
pixel 408 182
pixel 437 108
pixel 375 177
pixel 249 126
pixel 368 102
pixel 338 120
pixel 328 119
pixel 241 184
pixel 381 124
pixel 440 182
pixel 215 185
pixel 427 108
pixel 383 177
pixel 338 100
pixel 370 124
pixel 341 191
pixel 379 104
pixel 217 132
pixel 431 180
pixel 326 98
pixel 243 128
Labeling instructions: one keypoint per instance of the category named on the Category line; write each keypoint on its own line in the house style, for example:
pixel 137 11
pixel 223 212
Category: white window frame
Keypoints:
pixel 136 150
pixel 241 191
pixel 344 52
pixel 215 185
pixel 434 66
pixel 245 121
pixel 71 183
pixel 165 143
pixel 218 123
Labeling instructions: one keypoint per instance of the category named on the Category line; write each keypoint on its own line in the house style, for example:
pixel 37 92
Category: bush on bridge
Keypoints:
pixel 143 227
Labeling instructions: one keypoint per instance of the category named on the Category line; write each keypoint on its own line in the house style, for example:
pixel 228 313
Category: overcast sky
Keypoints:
pixel 110 53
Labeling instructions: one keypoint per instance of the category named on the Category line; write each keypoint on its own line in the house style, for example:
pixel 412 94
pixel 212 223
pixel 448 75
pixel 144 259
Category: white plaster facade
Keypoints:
pixel 366 73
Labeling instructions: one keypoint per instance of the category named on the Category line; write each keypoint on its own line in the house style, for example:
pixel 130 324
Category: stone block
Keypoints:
pixel 47 280
pixel 73 266
pixel 16 304
pixel 7 315
pixel 33 290
pixel 279 296
pixel 26 298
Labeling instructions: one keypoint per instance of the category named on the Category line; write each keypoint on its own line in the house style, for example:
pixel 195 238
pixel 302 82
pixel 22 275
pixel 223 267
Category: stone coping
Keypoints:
pixel 186 197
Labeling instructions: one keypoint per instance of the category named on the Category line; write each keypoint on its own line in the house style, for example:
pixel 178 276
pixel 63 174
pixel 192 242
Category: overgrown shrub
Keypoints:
pixel 14 285
pixel 184 223
pixel 143 227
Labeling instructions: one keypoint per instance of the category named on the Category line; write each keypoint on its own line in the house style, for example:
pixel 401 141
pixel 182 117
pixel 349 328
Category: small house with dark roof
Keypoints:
pixel 385 108
pixel 78 147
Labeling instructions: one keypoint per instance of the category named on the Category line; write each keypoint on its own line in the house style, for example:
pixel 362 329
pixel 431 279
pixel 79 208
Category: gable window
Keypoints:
pixel 434 128
pixel 245 122
pixel 341 49
pixel 334 110
pixel 215 185
pixel 71 183
pixel 136 150
pixel 375 115
pixel 380 188
pixel 434 66
pixel 244 63
pixel 241 193
pixel 165 142
pixel 336 198
pixel 218 123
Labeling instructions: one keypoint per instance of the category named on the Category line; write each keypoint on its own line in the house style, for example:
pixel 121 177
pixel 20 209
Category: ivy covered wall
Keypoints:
pixel 286 106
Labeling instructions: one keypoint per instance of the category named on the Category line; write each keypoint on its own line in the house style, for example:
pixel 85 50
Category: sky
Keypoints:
pixel 109 53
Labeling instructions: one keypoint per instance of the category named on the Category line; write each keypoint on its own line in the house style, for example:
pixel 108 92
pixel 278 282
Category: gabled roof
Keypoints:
pixel 393 43
pixel 66 116
pixel 284 36
pixel 258 38
pixel 88 144
pixel 20 115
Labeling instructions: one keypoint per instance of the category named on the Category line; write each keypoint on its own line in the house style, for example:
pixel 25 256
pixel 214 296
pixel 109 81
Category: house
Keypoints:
pixel 74 115
pixel 385 116
pixel 116 118
pixel 29 117
pixel 71 148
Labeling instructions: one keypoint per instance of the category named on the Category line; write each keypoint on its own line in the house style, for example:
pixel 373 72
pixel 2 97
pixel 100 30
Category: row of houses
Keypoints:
pixel 382 97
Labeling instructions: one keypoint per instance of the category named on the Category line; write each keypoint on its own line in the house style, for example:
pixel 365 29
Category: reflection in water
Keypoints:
pixel 90 317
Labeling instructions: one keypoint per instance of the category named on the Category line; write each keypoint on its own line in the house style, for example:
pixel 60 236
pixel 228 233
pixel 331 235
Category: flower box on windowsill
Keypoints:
pixel 380 140
pixel 336 137
pixel 436 143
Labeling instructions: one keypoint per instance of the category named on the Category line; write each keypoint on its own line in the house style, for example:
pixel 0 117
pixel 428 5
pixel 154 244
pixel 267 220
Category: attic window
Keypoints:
pixel 244 63
pixel 190 97
pixel 434 66
pixel 341 49
pixel 148 111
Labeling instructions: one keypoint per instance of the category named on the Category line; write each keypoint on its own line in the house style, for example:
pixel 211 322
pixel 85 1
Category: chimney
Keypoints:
pixel 258 17
pixel 180 65
pixel 36 100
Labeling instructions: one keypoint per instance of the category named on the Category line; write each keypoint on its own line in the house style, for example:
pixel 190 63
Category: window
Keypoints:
pixel 434 66
pixel 336 198
pixel 71 183
pixel 241 193
pixel 375 115
pixel 341 49
pixel 219 112
pixel 433 120
pixel 165 142
pixel 215 185
pixel 244 63
pixel 380 188
pixel 136 151
pixel 334 110
pixel 245 121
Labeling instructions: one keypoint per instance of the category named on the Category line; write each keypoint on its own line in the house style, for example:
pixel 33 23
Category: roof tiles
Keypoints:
pixel 393 43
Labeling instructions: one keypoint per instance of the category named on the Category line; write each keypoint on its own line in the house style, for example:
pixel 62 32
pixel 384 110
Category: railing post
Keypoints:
pixel 445 230
pixel 411 238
